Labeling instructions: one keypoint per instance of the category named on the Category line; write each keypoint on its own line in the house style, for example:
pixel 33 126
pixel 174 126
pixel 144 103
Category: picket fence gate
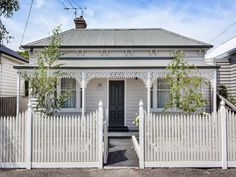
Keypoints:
pixel 33 140
pixel 170 140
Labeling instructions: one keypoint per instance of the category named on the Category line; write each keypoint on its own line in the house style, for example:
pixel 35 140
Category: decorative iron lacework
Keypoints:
pixel 147 76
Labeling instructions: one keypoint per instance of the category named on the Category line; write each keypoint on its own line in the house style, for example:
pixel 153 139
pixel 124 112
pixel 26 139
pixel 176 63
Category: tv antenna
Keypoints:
pixel 75 10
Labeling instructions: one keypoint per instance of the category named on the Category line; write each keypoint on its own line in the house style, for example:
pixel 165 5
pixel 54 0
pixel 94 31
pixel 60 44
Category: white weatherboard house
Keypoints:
pixel 121 67
pixel 117 68
pixel 8 82
pixel 224 56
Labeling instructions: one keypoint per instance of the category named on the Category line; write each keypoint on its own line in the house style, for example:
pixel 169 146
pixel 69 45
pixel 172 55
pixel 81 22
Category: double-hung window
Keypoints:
pixel 159 94
pixel 163 93
pixel 73 103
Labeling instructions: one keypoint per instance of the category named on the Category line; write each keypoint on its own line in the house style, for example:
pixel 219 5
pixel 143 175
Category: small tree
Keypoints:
pixel 7 8
pixel 185 94
pixel 23 53
pixel 43 82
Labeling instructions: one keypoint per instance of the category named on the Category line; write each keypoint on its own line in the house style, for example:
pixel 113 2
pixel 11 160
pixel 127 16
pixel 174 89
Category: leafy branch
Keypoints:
pixel 44 80
pixel 185 94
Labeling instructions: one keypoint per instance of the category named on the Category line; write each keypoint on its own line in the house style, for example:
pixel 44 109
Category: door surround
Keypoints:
pixel 125 91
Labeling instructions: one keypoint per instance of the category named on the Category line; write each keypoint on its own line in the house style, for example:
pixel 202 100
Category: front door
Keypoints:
pixel 116 103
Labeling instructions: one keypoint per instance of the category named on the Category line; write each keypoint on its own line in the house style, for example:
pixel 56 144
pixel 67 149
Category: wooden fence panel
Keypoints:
pixel 12 138
pixel 231 136
pixel 61 139
pixel 7 106
pixel 172 140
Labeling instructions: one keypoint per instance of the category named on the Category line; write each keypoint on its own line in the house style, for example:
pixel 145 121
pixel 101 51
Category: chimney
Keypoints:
pixel 80 23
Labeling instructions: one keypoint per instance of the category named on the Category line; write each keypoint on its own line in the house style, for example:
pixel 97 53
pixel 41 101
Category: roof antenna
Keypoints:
pixel 82 10
pixel 75 10
pixel 72 8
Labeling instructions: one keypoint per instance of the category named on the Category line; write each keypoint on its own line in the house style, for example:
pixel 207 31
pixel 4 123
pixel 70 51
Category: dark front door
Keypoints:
pixel 116 103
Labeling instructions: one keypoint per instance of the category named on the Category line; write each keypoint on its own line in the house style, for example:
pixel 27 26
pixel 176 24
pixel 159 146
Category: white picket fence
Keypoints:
pixel 64 139
pixel 231 138
pixel 12 139
pixel 187 140
pixel 182 138
pixel 33 140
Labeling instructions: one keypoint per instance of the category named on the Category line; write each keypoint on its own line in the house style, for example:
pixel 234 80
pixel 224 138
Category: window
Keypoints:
pixel 69 84
pixel 159 94
pixel 163 93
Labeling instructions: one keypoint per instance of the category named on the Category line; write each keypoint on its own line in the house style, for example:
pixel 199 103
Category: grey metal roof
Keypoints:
pixel 150 37
pixel 12 53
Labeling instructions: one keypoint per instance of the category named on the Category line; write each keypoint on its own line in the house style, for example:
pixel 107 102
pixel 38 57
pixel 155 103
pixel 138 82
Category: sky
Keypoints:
pixel 199 19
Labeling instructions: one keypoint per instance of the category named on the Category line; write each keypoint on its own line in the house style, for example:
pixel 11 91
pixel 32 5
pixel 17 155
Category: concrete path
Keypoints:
pixel 121 153
pixel 161 172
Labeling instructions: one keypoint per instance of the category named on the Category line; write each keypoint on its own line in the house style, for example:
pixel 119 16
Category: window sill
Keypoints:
pixel 161 110
pixel 69 110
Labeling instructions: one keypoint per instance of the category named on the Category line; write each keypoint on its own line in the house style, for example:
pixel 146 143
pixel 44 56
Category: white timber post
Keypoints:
pixel 148 93
pixel 83 93
pixel 141 135
pixel 223 134
pixel 28 139
pixel 18 95
pixel 100 134
pixel 214 94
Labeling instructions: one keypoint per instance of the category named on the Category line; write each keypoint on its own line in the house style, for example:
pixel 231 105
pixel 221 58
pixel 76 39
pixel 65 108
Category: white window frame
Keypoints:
pixel 155 109
pixel 77 108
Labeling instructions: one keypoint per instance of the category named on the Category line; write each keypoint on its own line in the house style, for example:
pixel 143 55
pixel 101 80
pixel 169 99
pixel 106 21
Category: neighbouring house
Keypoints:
pixel 121 67
pixel 8 81
pixel 225 56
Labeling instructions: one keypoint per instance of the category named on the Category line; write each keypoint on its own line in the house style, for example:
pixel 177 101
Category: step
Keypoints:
pixel 118 129
pixel 128 134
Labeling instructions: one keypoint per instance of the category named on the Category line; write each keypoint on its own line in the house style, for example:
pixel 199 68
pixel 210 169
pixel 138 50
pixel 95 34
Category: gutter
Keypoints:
pixel 114 67
pixel 121 46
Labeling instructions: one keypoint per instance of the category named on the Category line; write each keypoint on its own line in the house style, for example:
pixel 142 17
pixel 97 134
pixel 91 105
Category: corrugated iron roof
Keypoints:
pixel 149 37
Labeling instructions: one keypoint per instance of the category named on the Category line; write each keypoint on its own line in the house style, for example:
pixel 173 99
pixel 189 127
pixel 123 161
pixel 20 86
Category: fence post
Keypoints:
pixel 141 135
pixel 28 139
pixel 100 135
pixel 223 134
pixel 18 95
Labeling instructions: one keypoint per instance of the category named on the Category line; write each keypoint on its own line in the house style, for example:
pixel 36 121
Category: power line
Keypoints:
pixel 27 21
pixel 70 3
pixel 75 3
pixel 230 26
pixel 64 6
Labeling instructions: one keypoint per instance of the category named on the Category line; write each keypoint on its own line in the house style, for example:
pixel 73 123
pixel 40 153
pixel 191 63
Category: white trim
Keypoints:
pixel 18 94
pixel 108 99
pixel 196 164
pixel 13 164
pixel 231 163
pixel 83 85
pixel 64 164
pixel 125 102
pixel 136 145
pixel 108 94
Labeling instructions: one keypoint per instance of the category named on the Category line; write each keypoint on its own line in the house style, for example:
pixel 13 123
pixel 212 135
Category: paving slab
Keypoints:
pixel 121 153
